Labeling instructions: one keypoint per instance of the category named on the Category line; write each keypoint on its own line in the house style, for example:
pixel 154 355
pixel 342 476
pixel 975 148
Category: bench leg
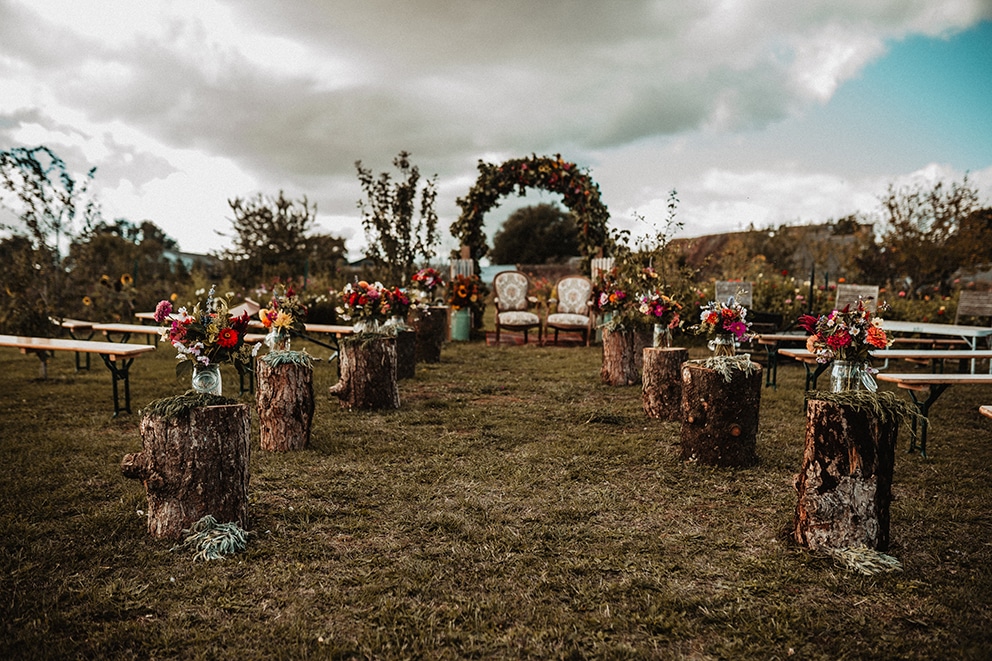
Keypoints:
pixel 936 390
pixel 120 373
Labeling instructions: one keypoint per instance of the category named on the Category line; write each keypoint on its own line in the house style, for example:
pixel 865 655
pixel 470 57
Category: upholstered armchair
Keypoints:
pixel 574 310
pixel 511 295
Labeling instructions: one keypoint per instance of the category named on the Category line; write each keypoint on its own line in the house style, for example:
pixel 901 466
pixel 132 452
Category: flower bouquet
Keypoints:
pixel 467 291
pixel 397 304
pixel 616 299
pixel 847 337
pixel 663 312
pixel 366 305
pixel 427 281
pixel 204 338
pixel 727 325
pixel 286 313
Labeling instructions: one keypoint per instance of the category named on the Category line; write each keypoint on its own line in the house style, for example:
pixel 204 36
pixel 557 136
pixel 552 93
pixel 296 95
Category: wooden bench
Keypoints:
pixel 772 342
pixel 934 386
pixel 117 358
pixel 125 331
pixel 849 295
pixel 986 410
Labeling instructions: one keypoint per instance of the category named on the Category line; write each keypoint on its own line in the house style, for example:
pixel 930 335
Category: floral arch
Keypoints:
pixel 580 194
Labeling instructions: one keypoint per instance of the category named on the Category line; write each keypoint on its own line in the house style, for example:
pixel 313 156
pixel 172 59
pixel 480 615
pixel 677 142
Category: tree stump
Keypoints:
pixel 620 358
pixel 661 382
pixel 284 396
pixel 193 464
pixel 406 354
pixel 845 485
pixel 368 374
pixel 720 418
pixel 432 330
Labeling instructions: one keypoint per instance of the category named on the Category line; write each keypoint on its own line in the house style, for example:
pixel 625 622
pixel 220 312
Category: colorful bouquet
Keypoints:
pixel 844 334
pixel 467 291
pixel 285 312
pixel 660 309
pixel 427 279
pixel 206 336
pixel 398 301
pixel 615 296
pixel 724 320
pixel 365 302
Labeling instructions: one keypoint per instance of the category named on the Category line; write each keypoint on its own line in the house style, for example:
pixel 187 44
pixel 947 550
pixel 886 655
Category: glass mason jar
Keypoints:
pixel 723 345
pixel 395 324
pixel 206 379
pixel 366 326
pixel 278 340
pixel 662 338
pixel 845 375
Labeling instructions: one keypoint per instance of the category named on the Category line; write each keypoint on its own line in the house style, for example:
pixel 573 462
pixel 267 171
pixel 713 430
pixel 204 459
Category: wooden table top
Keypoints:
pixel 82 346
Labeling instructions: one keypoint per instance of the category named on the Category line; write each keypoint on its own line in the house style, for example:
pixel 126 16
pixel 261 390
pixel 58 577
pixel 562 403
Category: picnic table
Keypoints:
pixel 934 386
pixel 772 342
pixel 117 357
pixel 125 331
pixel 815 369
pixel 969 334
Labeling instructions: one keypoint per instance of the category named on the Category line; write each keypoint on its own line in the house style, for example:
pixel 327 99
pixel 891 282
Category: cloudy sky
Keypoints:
pixel 756 112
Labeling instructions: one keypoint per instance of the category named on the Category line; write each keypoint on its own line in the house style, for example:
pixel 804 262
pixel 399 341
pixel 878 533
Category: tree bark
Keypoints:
pixel 193 465
pixel 845 485
pixel 432 330
pixel 284 396
pixel 368 374
pixel 661 378
pixel 620 358
pixel 406 354
pixel 720 419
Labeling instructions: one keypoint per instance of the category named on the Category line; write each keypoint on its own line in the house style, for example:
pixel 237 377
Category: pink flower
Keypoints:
pixel 162 311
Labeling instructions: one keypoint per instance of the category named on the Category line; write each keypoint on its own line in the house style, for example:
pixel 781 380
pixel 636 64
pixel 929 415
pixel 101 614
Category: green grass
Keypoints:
pixel 514 507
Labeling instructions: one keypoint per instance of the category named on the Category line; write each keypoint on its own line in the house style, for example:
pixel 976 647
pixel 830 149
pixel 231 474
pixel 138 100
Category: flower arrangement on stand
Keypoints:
pixel 285 314
pixel 726 324
pixel 847 337
pixel 427 281
pixel 616 296
pixel 467 298
pixel 204 338
pixel 366 305
pixel 399 304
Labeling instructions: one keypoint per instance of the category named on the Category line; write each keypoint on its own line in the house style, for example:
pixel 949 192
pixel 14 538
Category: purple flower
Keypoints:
pixel 162 311
pixel 738 328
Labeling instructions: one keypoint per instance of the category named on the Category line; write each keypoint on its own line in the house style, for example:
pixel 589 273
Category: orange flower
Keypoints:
pixel 876 337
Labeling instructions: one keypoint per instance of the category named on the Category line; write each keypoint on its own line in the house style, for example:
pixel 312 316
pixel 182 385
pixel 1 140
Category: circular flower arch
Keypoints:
pixel 579 192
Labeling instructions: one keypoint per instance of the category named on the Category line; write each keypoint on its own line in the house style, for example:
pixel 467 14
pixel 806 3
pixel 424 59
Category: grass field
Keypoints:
pixel 514 507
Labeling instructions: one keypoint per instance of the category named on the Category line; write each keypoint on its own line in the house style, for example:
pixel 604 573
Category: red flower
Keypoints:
pixel 839 340
pixel 227 338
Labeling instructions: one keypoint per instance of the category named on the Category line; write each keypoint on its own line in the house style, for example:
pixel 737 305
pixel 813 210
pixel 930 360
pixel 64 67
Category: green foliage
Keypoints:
pixel 270 238
pixel 52 208
pixel 211 540
pixel 276 358
pixel 180 406
pixel 397 238
pixel 540 234
pixel 579 193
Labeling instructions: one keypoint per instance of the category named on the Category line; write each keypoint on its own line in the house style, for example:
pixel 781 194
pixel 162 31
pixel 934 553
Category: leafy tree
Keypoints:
pixel 536 235
pixel 270 238
pixel 397 240
pixel 120 267
pixel 325 255
pixel 52 208
pixel 929 233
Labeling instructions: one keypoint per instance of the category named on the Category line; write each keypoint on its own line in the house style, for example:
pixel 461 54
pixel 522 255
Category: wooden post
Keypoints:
pixel 720 418
pixel 193 464
pixel 284 396
pixel 845 485
pixel 406 354
pixel 432 330
pixel 661 378
pixel 619 366
pixel 368 374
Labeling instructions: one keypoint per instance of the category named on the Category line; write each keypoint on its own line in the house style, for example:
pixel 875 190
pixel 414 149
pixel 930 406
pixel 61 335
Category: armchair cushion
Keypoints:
pixel 518 318
pixel 568 319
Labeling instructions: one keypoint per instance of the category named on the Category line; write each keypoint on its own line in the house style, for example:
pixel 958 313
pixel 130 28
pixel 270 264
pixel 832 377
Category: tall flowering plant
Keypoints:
pixel 844 334
pixel 728 320
pixel 207 335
